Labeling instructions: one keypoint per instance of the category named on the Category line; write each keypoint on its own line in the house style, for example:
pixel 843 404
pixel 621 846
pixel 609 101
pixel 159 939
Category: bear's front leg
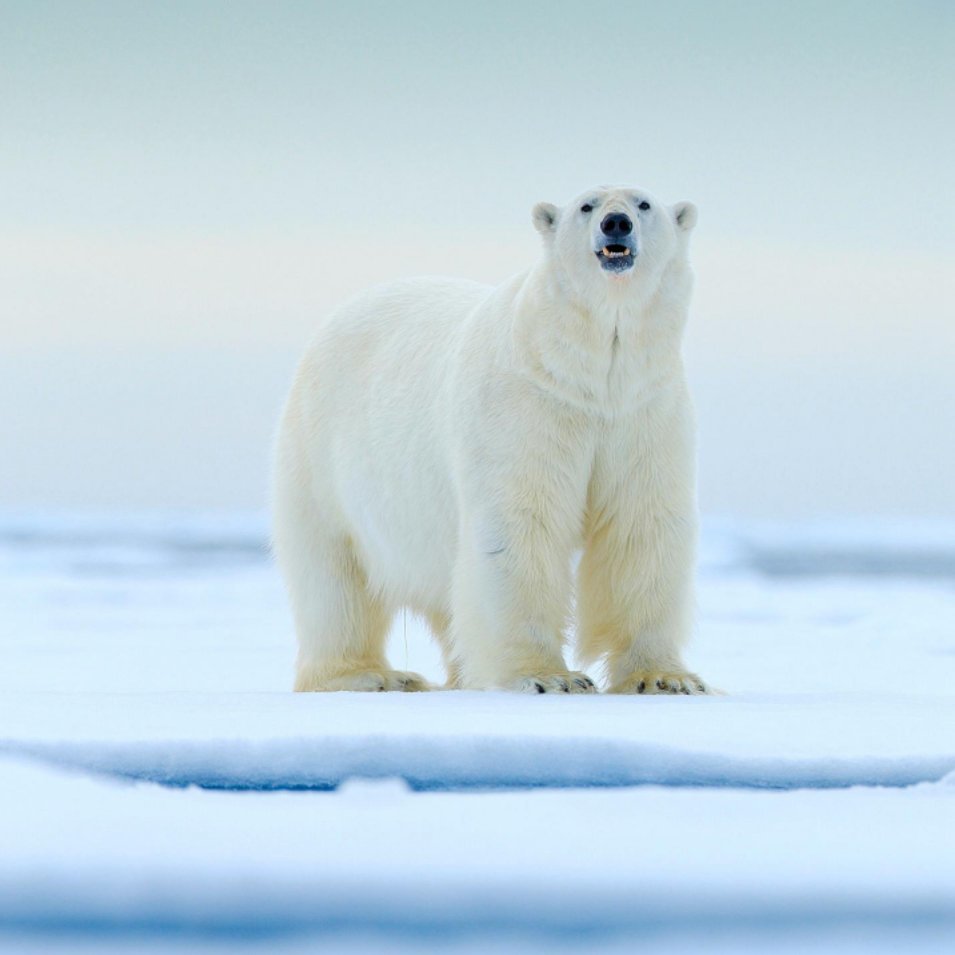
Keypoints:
pixel 635 579
pixel 510 602
pixel 635 605
pixel 508 621
pixel 523 465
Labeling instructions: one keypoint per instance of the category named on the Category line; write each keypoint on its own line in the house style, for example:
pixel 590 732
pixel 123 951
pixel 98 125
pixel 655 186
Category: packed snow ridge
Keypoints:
pixel 489 762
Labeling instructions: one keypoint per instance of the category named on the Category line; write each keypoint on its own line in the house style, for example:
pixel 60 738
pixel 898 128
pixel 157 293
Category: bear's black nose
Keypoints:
pixel 616 224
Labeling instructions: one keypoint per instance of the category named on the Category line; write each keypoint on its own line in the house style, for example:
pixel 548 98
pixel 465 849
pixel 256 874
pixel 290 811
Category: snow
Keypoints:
pixel 486 741
pixel 161 788
pixel 374 853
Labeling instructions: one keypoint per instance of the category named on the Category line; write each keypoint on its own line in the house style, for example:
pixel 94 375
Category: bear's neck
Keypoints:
pixel 608 357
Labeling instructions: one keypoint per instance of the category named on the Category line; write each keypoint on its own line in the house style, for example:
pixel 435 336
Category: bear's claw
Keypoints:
pixel 556 683
pixel 659 683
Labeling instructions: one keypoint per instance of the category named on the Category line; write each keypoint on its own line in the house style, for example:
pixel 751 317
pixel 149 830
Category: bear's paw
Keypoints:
pixel 365 681
pixel 663 682
pixel 571 682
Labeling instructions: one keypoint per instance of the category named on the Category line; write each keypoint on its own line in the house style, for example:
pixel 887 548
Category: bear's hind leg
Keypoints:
pixel 340 623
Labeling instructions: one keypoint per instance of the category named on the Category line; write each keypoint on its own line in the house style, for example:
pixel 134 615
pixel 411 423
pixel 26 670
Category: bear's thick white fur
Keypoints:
pixel 448 447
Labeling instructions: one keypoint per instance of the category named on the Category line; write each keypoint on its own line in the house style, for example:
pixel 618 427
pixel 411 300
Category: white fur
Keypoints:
pixel 448 447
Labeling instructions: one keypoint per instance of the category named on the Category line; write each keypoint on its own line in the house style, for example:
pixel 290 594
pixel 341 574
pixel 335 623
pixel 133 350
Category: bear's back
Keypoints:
pixel 406 307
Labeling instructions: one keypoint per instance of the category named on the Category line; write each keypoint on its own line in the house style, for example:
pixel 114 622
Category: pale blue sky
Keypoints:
pixel 184 187
pixel 800 119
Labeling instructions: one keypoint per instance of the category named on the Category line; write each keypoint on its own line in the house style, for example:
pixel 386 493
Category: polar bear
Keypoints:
pixel 450 447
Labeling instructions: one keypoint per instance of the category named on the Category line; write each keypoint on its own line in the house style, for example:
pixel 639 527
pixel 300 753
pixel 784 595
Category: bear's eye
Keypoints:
pixel 586 207
pixel 644 205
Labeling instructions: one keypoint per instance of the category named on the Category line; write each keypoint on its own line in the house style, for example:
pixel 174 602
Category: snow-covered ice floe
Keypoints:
pixel 810 809
pixel 456 741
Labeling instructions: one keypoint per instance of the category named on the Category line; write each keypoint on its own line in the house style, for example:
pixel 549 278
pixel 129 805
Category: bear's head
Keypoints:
pixel 617 239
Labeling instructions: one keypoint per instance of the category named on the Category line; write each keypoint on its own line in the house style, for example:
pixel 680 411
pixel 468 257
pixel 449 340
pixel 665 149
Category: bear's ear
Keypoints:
pixel 544 215
pixel 684 215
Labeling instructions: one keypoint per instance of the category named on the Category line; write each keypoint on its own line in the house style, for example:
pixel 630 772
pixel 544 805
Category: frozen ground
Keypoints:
pixel 161 789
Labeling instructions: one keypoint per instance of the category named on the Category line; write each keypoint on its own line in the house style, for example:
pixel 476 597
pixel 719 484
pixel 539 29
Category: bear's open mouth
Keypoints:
pixel 615 258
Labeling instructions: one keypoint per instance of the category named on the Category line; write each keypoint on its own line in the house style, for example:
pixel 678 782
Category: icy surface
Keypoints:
pixel 812 808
